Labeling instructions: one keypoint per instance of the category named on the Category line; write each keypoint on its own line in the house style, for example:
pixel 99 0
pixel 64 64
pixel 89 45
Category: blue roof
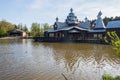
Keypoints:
pixel 113 24
pixel 50 30
pixel 93 31
pixel 68 28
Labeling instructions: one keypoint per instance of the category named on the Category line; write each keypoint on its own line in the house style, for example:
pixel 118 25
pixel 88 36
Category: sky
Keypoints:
pixel 45 11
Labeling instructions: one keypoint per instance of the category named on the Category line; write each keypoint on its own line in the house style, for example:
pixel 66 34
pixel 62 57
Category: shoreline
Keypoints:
pixel 2 38
pixel 9 38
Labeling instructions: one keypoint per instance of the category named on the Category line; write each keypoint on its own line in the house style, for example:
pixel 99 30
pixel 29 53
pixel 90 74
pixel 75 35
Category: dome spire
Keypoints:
pixel 71 10
pixel 71 18
pixel 99 14
pixel 57 19
pixel 86 19
pixel 99 24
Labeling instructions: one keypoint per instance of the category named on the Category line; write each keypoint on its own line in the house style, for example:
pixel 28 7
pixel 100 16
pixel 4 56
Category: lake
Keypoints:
pixel 27 60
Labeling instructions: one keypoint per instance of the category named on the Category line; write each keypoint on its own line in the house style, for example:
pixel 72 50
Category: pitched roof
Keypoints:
pixel 93 31
pixel 61 25
pixel 85 25
pixel 66 29
pixel 99 23
pixel 50 30
pixel 16 30
pixel 113 24
pixel 71 27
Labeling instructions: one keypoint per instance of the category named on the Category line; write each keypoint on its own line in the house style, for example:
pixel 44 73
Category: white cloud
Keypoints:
pixel 47 10
pixel 37 4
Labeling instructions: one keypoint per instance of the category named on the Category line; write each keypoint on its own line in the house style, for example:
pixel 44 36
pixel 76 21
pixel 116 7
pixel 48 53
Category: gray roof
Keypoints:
pixel 71 27
pixel 61 25
pixel 85 25
pixel 74 31
pixel 17 30
pixel 113 24
pixel 50 30
pixel 93 31
pixel 99 23
pixel 65 28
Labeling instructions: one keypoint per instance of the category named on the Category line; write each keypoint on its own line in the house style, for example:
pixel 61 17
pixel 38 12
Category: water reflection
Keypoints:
pixel 13 41
pixel 81 59
pixel 27 60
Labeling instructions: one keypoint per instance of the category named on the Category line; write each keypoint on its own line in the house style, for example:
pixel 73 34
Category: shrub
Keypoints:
pixel 113 39
pixel 107 77
pixel 110 77
pixel 117 78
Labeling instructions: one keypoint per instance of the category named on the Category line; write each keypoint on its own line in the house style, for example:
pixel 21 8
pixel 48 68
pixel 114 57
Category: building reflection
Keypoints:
pixel 76 55
pixel 24 41
pixel 13 41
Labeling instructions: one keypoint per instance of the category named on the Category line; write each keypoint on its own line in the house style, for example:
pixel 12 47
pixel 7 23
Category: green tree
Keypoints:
pixel 25 28
pixel 5 27
pixel 2 32
pixel 35 29
pixel 46 26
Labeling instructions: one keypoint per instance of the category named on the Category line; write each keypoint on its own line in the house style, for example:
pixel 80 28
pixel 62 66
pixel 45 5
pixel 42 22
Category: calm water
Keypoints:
pixel 26 60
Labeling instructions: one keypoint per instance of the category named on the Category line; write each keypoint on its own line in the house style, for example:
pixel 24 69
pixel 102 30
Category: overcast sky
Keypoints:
pixel 45 11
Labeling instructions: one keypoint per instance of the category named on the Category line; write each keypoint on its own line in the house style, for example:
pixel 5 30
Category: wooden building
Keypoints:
pixel 17 33
pixel 72 29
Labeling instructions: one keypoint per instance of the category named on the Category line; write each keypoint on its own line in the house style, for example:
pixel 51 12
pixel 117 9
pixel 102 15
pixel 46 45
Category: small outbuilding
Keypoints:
pixel 17 33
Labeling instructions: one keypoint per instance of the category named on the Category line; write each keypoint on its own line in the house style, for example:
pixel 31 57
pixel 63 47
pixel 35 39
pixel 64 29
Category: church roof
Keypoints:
pixel 50 30
pixel 66 29
pixel 77 27
pixel 71 18
pixel 99 22
pixel 61 25
pixel 93 31
pixel 85 25
pixel 113 24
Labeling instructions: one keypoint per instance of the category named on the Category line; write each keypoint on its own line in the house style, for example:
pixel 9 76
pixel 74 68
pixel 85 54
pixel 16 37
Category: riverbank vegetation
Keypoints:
pixel 6 26
pixel 36 29
pixel 110 77
pixel 113 39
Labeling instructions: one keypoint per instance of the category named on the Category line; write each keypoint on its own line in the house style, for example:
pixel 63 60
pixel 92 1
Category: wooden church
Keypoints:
pixel 74 30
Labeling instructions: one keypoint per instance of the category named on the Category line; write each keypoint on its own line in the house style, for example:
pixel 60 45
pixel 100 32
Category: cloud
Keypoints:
pixel 37 4
pixel 40 4
pixel 47 10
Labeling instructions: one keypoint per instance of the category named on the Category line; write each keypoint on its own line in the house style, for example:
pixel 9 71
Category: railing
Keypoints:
pixel 54 39
pixel 47 39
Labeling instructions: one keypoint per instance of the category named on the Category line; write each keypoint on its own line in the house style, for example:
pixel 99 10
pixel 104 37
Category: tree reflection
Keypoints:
pixel 76 55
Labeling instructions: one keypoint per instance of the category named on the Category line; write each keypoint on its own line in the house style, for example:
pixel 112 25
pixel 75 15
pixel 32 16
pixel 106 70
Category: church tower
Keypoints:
pixel 99 22
pixel 72 19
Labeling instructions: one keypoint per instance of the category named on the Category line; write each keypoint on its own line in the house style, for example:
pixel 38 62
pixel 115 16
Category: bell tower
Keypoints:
pixel 72 19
